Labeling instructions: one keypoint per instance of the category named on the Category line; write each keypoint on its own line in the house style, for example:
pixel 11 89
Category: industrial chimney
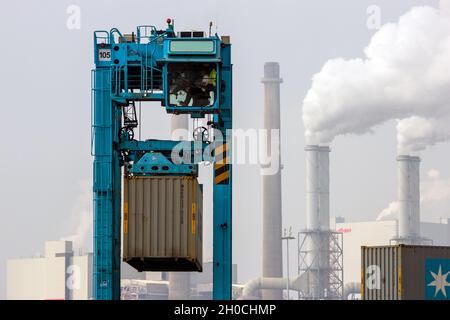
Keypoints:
pixel 408 176
pixel 317 219
pixel 317 187
pixel 179 282
pixel 272 263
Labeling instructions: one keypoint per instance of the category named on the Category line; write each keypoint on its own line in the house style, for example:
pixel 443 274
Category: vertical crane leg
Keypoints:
pixel 117 211
pixel 222 241
pixel 106 185
pixel 222 190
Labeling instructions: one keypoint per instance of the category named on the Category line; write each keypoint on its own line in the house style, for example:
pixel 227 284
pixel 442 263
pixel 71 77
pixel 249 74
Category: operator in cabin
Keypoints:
pixel 202 93
pixel 194 88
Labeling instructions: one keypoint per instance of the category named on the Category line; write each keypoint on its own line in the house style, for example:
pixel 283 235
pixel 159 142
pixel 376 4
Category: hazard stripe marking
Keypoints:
pixel 221 166
pixel 222 177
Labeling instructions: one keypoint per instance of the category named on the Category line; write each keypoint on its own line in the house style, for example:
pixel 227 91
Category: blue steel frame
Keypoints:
pixel 112 148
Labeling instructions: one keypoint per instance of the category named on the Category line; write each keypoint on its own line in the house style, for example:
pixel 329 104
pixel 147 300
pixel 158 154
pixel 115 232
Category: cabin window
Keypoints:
pixel 192 84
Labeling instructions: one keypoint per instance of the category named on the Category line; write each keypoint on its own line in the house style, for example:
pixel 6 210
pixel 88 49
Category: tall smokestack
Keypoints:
pixel 317 218
pixel 179 282
pixel 272 264
pixel 317 188
pixel 408 176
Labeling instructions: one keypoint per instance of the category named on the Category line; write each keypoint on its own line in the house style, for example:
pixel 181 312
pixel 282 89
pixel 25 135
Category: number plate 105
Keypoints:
pixel 104 55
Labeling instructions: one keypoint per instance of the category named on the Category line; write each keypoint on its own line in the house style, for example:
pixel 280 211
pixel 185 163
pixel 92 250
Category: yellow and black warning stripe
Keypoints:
pixel 222 165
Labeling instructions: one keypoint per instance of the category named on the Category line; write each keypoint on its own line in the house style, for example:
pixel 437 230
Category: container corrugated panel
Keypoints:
pixel 379 273
pixel 404 272
pixel 162 223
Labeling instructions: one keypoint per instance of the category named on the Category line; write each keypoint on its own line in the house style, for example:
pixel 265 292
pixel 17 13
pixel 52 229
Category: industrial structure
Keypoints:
pixel 61 273
pixel 320 256
pixel 272 260
pixel 408 184
pixel 188 73
pixel 320 248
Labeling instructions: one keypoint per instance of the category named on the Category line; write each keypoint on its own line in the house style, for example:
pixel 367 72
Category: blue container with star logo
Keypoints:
pixel 437 279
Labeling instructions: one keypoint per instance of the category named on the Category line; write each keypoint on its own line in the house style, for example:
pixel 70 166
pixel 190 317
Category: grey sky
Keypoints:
pixel 45 85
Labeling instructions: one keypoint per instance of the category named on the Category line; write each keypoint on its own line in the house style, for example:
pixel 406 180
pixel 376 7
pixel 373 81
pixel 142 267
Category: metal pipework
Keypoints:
pixel 318 217
pixel 272 263
pixel 408 175
pixel 251 287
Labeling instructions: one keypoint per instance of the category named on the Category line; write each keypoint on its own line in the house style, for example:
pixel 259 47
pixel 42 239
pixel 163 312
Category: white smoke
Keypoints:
pixel 405 73
pixel 389 213
pixel 433 189
pixel 82 216
pixel 416 133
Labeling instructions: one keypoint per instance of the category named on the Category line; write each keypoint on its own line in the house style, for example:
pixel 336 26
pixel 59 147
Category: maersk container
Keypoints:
pixel 404 272
pixel 162 223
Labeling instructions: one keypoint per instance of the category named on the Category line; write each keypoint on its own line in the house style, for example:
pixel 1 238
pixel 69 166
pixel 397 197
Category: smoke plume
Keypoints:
pixel 416 133
pixel 389 213
pixel 404 75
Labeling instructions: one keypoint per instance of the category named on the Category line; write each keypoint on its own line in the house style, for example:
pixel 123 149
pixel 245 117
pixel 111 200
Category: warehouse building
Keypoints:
pixel 59 274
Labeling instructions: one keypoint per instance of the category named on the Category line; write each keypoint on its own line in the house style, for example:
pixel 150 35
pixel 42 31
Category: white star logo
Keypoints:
pixel 439 282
